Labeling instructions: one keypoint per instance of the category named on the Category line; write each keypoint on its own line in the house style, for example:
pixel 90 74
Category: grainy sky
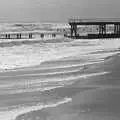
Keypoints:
pixel 57 10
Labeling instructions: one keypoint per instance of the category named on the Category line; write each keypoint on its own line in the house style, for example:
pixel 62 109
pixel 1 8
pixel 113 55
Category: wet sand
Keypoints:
pixel 93 98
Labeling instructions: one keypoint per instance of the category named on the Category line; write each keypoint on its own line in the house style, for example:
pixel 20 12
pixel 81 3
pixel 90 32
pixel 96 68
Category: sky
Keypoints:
pixel 57 10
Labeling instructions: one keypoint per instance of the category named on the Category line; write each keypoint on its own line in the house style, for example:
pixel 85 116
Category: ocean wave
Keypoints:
pixel 40 85
pixel 30 55
pixel 35 55
pixel 58 67
pixel 46 74
pixel 13 114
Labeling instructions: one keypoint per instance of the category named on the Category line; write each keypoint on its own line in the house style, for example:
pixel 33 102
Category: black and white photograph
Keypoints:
pixel 59 59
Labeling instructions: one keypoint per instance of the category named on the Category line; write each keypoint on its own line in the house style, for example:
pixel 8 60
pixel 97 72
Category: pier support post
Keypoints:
pixel 20 35
pixel 73 30
pixel 102 29
pixel 6 36
pixel 42 35
pixel 117 29
pixel 30 35
pixel 17 36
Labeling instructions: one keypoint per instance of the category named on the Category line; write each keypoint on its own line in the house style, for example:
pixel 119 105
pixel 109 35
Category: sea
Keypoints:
pixel 29 70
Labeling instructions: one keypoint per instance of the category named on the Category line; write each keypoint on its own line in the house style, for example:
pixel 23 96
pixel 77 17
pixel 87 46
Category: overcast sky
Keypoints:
pixel 57 10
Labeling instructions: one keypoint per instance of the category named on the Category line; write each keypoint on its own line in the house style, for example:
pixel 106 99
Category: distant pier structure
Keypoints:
pixel 28 35
pixel 101 25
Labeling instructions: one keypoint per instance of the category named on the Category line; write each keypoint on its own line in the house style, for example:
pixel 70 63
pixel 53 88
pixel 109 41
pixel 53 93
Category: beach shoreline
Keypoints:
pixel 67 80
pixel 85 96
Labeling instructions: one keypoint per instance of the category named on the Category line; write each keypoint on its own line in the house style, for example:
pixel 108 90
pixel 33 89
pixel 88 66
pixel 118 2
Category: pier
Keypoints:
pixel 28 35
pixel 102 30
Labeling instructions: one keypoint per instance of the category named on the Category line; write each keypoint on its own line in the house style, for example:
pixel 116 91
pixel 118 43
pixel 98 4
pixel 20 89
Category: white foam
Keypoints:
pixel 12 114
pixel 25 56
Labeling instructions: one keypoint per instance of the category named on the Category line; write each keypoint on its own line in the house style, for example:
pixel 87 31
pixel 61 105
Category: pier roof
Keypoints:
pixel 95 21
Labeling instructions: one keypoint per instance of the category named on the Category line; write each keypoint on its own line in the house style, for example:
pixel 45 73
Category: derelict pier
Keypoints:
pixel 101 24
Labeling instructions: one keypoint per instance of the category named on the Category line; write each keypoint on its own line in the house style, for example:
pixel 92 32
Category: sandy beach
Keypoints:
pixel 93 98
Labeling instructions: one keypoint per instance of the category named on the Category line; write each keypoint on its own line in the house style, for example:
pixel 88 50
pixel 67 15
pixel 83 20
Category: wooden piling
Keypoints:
pixel 30 35
pixel 42 35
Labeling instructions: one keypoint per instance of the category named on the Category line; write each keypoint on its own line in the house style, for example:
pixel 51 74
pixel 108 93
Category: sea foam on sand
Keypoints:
pixel 12 114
